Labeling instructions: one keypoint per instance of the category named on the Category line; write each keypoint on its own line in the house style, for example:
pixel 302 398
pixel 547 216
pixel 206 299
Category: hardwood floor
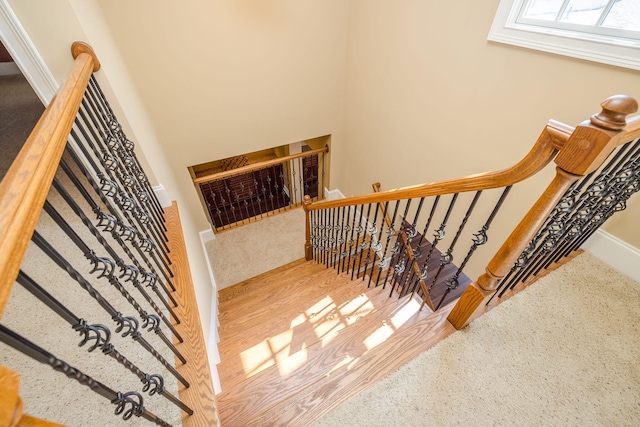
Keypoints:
pixel 304 331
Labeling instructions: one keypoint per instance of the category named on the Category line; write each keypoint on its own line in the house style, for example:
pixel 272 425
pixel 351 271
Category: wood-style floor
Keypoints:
pixel 299 340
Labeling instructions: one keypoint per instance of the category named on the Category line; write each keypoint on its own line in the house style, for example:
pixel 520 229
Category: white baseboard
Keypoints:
pixel 162 195
pixel 616 253
pixel 333 194
pixel 214 337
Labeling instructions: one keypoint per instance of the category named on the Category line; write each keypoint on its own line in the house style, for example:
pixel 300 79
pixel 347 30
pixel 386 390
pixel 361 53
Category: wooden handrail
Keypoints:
pixel 26 184
pixel 587 148
pixel 542 152
pixel 256 166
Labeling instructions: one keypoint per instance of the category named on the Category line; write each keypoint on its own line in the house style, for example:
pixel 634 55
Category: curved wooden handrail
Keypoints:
pixel 542 152
pixel 585 151
pixel 257 166
pixel 26 184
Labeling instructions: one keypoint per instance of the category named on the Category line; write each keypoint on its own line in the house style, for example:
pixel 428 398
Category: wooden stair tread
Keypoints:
pixel 332 314
pixel 291 295
pixel 261 283
pixel 276 321
pixel 266 389
pixel 321 397
pixel 275 288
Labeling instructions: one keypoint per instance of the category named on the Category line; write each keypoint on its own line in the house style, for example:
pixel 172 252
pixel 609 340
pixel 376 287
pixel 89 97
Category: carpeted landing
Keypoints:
pixel 564 352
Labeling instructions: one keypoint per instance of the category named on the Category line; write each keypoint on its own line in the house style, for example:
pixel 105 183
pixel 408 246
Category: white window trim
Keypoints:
pixel 591 47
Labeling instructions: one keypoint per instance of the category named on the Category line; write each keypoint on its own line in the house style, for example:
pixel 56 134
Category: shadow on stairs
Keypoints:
pixel 298 341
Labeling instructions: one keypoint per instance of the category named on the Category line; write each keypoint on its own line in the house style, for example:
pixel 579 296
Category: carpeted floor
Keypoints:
pixel 46 393
pixel 253 249
pixel 20 110
pixel 564 352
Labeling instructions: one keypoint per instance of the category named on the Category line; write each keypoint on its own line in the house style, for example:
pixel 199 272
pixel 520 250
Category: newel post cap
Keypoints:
pixel 306 202
pixel 614 112
pixel 81 47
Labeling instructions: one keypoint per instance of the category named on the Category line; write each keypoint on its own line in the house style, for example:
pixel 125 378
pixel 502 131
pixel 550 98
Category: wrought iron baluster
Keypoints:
pixel 364 246
pixel 447 257
pixel 331 234
pixel 411 259
pixel 257 192
pixel 375 243
pixel 229 199
pixel 125 402
pixel 346 253
pixel 400 250
pixel 109 188
pixel 96 209
pixel 301 177
pixel 217 210
pixel 335 256
pixel 114 169
pixel 270 188
pixel 480 238
pixel 100 337
pixel 127 324
pixel 393 233
pixel 295 182
pixel 378 248
pixel 326 248
pixel 129 146
pixel 116 261
pixel 575 237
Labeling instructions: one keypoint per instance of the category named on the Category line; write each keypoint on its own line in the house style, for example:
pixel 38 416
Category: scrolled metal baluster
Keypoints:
pixel 99 335
pixel 128 144
pixel 128 326
pixel 95 207
pixel 38 354
pixel 447 257
pixel 364 245
pixel 381 253
pixel 440 233
pixel 385 262
pixel 116 142
pixel 375 244
pixel 116 171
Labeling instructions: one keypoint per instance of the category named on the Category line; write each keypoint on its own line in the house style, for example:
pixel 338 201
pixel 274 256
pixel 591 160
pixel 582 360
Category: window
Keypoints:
pixel 606 31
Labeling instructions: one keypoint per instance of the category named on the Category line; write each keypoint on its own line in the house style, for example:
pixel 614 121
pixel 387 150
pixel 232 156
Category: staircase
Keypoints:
pixel 303 331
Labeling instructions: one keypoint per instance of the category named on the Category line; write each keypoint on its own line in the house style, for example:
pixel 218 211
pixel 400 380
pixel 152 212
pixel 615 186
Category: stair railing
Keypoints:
pixel 339 232
pixel 245 194
pixel 78 163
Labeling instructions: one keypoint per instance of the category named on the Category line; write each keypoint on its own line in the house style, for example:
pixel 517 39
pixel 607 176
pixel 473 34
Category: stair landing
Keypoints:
pixel 301 332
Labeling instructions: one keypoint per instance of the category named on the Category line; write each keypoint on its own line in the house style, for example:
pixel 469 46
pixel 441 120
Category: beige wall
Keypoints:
pixel 223 78
pixel 409 86
pixel 428 95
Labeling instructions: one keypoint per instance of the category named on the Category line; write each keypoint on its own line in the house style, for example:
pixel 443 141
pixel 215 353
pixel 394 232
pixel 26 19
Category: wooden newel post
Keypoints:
pixel 308 248
pixel 585 150
pixel 11 414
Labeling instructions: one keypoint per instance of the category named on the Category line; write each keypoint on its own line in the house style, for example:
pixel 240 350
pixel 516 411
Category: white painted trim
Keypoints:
pixel 616 253
pixel 214 337
pixel 579 45
pixel 25 54
pixel 162 195
pixel 333 194
pixel 9 69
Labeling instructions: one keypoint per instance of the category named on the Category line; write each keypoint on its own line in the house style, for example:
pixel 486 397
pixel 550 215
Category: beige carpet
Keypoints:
pixel 565 352
pixel 46 393
pixel 20 110
pixel 253 249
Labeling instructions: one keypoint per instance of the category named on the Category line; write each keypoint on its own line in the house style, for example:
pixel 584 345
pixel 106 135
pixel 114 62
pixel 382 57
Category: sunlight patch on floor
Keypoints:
pixel 257 358
pixel 409 309
pixel 378 336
